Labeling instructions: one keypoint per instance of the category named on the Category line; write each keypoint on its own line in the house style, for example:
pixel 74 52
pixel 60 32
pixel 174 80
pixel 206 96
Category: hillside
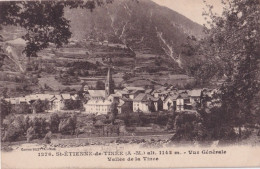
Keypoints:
pixel 142 39
pixel 143 26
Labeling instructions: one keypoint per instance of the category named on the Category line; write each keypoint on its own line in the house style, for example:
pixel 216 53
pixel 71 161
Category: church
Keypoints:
pixel 99 102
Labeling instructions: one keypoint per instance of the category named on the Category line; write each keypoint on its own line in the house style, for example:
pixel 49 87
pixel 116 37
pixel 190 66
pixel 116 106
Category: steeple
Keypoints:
pixel 109 87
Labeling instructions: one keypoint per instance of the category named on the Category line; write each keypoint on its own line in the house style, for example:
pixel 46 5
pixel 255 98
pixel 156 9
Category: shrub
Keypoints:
pixel 22 108
pixel 47 137
pixel 15 128
pixel 68 126
pixel 162 119
pixel 54 123
pixel 30 134
pixel 73 104
pixel 5 109
pixel 40 106
pixel 188 127
pixel 12 133
pixel 40 127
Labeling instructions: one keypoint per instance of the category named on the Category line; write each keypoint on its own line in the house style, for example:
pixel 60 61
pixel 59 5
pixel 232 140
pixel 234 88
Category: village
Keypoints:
pixel 104 113
pixel 129 83
pixel 128 100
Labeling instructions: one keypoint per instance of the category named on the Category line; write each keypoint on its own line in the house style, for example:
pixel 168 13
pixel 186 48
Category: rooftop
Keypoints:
pixel 97 93
pixel 133 88
pixel 145 97
pixel 172 97
pixel 195 92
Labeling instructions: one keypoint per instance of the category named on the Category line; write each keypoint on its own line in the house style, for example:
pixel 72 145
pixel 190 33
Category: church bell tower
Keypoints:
pixel 109 86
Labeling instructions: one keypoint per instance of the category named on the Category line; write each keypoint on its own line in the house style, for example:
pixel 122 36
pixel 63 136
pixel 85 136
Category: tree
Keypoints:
pixel 40 127
pixel 44 21
pixel 22 108
pixel 233 43
pixel 26 123
pixel 54 123
pixel 170 125
pixel 30 134
pixel 5 109
pixel 40 106
pixel 47 137
pixel 73 104
pixel 12 133
pixel 188 126
pixel 68 126
pixel 15 129
pixel 100 85
pixel 114 112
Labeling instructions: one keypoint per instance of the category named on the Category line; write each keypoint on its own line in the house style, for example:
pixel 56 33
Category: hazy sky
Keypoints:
pixel 192 9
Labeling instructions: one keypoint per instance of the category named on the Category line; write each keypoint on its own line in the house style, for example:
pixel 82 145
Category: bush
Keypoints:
pixel 40 106
pixel 5 109
pixel 188 127
pixel 73 104
pixel 30 134
pixel 68 126
pixel 40 127
pixel 54 123
pixel 134 119
pixel 12 133
pixel 100 85
pixel 22 108
pixel 15 128
pixel 162 119
pixel 47 137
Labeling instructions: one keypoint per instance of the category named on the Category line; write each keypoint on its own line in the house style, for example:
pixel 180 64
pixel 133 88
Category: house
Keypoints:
pixel 98 107
pixel 122 93
pixel 66 96
pixel 114 98
pixel 206 97
pixel 195 96
pixel 105 42
pixel 32 98
pixel 148 91
pixel 57 103
pixel 85 87
pixel 44 96
pixel 125 105
pixel 13 100
pixel 183 102
pixel 145 103
pixel 172 88
pixel 97 94
pixel 170 102
pixel 134 93
pixel 75 97
pixel 130 89
pixel 213 99
pixel 161 94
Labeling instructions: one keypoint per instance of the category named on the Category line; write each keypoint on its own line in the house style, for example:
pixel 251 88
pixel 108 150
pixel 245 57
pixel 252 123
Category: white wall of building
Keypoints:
pixel 142 106
pixel 98 107
pixel 165 104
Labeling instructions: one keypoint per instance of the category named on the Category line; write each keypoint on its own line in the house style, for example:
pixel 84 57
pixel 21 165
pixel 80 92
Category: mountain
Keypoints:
pixel 143 39
pixel 142 25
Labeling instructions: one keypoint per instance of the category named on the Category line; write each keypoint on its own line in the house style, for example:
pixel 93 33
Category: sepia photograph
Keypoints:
pixel 129 83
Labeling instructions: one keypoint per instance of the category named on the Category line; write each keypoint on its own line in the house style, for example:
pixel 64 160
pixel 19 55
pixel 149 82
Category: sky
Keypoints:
pixel 192 9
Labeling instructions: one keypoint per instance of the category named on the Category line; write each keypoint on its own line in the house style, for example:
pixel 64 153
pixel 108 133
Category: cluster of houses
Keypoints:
pixel 56 101
pixel 127 100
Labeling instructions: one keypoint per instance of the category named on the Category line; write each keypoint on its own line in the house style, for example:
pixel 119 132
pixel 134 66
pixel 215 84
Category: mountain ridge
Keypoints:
pixel 139 25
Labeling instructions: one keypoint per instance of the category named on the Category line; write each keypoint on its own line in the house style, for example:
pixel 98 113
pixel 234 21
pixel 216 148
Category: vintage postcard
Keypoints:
pixel 129 83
